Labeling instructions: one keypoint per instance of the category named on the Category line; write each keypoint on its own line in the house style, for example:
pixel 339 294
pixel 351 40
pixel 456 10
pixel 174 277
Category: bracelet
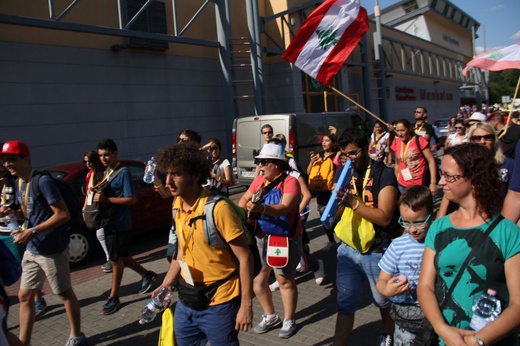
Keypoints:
pixel 480 342
pixel 356 206
pixel 158 186
pixel 265 207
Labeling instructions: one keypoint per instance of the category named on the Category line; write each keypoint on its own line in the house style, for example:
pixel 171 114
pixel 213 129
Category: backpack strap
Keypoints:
pixel 376 185
pixel 211 233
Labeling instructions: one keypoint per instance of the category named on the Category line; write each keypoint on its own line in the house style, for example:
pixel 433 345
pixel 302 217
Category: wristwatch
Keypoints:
pixel 34 231
pixel 479 340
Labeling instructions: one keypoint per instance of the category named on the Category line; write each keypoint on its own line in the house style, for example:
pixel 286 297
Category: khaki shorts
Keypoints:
pixel 37 267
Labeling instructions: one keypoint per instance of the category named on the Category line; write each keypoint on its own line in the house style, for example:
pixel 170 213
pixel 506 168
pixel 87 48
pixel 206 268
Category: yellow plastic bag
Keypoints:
pixel 166 335
pixel 355 231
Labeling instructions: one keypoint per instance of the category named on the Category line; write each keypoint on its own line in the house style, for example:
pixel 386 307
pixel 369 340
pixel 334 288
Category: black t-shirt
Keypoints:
pixel 426 129
pixel 387 177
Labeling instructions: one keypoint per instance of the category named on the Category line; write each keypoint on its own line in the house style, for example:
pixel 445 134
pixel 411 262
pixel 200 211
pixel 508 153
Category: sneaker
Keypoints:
pixel 274 286
pixel 112 305
pixel 147 282
pixel 40 306
pixel 320 273
pixel 266 325
pixel 77 340
pixel 385 340
pixel 329 247
pixel 288 329
pixel 107 267
pixel 302 266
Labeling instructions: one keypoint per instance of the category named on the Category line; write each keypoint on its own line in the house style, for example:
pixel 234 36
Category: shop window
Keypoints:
pixel 153 19
pixel 319 98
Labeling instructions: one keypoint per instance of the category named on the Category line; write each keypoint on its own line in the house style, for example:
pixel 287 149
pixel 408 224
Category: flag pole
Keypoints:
pixel 511 110
pixel 360 106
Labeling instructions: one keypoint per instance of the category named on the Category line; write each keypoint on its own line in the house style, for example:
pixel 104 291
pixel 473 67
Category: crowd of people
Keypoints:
pixel 423 262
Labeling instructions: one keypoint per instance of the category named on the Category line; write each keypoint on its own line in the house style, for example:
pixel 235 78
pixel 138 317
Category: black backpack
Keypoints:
pixel 69 197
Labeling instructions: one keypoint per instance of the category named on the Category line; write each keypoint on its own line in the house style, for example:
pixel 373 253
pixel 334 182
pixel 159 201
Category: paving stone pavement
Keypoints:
pixel 315 315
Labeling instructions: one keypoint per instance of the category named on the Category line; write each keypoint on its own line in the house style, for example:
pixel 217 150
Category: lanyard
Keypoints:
pixel 403 154
pixel 191 222
pixel 106 177
pixel 365 180
pixel 418 130
pixel 25 196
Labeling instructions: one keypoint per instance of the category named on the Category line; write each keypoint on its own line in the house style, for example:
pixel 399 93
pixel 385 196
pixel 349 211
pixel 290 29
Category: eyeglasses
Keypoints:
pixel 417 225
pixel 450 178
pixel 183 139
pixel 353 153
pixel 459 127
pixel 267 133
pixel 487 138
pixel 263 162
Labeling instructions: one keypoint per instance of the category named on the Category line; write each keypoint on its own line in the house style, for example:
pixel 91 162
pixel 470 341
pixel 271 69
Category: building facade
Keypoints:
pixel 139 71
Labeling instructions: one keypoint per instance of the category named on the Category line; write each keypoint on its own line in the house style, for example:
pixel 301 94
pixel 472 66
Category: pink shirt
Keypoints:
pixel 410 157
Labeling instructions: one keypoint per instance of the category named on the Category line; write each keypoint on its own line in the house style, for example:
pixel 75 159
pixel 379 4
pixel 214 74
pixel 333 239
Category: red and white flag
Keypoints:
pixel 327 37
pixel 500 59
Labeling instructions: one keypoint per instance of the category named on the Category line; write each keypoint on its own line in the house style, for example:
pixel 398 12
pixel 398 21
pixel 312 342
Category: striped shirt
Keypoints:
pixel 404 257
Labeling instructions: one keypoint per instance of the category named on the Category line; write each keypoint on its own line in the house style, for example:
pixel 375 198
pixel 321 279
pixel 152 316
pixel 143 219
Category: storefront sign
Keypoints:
pixel 408 94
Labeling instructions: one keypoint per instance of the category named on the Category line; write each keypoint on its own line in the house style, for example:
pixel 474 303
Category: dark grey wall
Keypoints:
pixel 61 101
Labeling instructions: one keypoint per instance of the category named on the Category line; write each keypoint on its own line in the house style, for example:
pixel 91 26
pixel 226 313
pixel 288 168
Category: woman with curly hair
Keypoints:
pixel 469 177
pixel 484 134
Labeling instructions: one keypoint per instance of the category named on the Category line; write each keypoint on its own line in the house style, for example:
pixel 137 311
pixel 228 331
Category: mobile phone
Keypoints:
pixel 311 152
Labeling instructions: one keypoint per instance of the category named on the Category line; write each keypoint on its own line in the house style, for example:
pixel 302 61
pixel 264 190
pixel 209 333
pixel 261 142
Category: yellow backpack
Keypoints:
pixel 321 177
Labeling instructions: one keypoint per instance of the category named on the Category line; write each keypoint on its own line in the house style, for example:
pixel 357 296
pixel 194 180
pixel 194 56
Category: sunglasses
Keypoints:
pixel 10 159
pixel 264 162
pixel 85 162
pixel 459 127
pixel 267 132
pixel 487 138
pixel 213 148
pixel 184 139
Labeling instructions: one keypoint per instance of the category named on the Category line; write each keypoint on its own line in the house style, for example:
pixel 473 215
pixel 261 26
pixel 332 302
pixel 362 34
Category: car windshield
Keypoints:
pixel 60 175
pixel 442 123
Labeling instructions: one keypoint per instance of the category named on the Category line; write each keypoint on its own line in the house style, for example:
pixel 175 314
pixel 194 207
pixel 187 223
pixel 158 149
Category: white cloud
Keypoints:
pixel 498 7
pixel 479 50
pixel 515 36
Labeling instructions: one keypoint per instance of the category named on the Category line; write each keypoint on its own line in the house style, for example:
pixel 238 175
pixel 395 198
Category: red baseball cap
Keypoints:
pixel 15 148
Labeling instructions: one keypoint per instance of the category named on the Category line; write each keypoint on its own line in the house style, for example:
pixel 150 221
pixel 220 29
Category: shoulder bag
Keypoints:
pixel 426 336
pixel 96 214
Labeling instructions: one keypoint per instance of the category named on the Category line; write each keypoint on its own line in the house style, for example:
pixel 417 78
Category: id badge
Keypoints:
pixel 90 197
pixel 186 273
pixel 407 175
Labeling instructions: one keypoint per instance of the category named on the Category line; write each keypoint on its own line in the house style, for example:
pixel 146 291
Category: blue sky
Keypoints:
pixel 501 19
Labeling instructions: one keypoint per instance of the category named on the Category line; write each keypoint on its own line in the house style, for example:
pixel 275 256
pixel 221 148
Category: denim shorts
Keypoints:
pixel 215 324
pixel 352 269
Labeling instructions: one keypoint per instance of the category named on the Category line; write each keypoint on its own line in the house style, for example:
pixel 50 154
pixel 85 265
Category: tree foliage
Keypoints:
pixel 502 83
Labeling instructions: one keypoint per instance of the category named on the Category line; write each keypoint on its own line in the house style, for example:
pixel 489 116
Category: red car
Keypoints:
pixel 151 211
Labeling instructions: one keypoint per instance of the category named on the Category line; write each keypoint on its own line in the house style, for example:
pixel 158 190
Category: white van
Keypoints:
pixel 304 132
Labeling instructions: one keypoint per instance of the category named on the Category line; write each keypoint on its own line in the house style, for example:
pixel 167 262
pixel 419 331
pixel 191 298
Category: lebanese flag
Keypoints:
pixel 326 38
pixel 497 60
pixel 277 251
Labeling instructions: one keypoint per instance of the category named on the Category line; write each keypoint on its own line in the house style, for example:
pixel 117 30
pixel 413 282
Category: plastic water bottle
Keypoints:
pixel 150 169
pixel 12 223
pixel 155 306
pixel 485 309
